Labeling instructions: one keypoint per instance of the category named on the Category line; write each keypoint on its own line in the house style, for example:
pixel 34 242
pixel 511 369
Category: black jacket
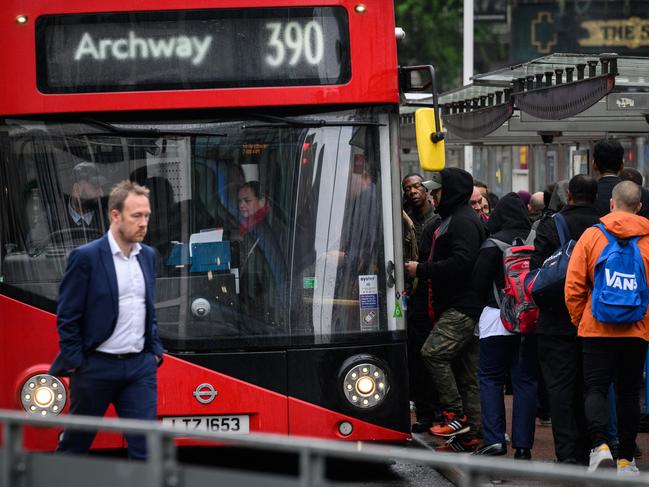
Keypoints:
pixel 456 247
pixel 508 221
pixel 605 186
pixel 604 191
pixel 644 211
pixel 418 300
pixel 556 320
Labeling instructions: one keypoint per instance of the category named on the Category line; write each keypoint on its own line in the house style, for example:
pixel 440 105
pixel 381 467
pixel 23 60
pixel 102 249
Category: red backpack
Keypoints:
pixel 517 309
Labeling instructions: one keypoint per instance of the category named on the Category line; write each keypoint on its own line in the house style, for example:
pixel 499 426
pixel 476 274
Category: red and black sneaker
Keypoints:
pixel 452 425
pixel 458 445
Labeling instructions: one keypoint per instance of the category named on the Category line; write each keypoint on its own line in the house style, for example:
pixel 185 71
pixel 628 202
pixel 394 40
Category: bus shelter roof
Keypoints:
pixel 621 109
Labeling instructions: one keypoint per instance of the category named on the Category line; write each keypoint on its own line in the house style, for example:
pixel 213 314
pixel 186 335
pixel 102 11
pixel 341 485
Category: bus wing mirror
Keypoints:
pixel 428 120
pixel 430 139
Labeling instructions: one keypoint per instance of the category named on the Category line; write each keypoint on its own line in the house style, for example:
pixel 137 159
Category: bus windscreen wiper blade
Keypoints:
pixel 275 121
pixel 145 131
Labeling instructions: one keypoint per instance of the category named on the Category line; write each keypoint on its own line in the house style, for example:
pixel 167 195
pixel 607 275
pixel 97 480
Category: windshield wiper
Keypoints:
pixel 142 131
pixel 276 121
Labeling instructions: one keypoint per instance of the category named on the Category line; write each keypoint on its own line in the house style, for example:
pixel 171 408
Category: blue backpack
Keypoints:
pixel 550 279
pixel 620 293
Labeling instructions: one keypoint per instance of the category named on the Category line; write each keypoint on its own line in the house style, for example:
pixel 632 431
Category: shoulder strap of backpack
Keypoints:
pixel 496 293
pixel 562 228
pixel 498 243
pixel 502 246
pixel 610 237
pixel 531 236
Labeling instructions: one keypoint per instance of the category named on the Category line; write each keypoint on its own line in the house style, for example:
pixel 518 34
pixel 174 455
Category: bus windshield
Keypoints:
pixel 268 230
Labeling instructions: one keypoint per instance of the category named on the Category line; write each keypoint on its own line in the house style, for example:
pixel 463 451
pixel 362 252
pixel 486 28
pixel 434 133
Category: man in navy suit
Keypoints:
pixel 108 334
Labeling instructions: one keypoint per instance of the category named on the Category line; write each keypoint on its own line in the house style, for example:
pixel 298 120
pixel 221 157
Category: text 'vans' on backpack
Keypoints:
pixel 620 292
pixel 549 281
pixel 518 312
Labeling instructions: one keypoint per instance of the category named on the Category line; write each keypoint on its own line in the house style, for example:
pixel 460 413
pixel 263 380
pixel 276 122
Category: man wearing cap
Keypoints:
pixel 451 349
pixel 422 213
pixel 84 205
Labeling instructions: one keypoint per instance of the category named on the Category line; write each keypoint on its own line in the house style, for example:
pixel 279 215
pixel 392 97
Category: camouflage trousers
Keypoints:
pixel 451 354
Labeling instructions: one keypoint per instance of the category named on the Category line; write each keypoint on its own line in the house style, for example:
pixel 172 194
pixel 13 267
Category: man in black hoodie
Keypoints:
pixel 451 350
pixel 559 347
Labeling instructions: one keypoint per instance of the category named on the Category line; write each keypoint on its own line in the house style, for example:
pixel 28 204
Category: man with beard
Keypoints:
pixel 108 332
pixel 417 203
pixel 425 220
pixel 451 349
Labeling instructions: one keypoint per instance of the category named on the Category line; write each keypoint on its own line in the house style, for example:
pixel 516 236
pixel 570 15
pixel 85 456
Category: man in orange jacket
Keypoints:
pixel 611 352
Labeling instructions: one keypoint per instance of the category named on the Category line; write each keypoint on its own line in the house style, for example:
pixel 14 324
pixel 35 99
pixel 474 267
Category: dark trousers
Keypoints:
pixel 560 357
pixel 542 398
pixel 422 390
pixel 451 354
pixel 129 384
pixel 498 354
pixel 619 360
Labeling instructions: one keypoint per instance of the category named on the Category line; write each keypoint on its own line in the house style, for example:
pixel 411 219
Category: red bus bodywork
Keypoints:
pixel 28 337
pixel 373 57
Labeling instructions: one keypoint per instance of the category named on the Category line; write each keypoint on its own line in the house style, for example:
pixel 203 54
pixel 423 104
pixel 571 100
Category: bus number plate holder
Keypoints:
pixel 238 424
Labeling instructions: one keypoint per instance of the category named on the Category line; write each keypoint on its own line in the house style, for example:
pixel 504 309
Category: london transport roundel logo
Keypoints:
pixel 205 393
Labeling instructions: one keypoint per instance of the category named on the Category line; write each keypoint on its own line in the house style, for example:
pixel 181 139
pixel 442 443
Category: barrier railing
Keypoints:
pixel 19 468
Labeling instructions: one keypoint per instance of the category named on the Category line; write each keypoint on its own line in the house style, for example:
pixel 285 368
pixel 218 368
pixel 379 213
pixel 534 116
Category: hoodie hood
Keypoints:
pixel 625 225
pixel 510 214
pixel 457 186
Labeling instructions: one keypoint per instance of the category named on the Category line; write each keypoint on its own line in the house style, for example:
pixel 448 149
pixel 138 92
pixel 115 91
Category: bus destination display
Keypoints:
pixel 176 50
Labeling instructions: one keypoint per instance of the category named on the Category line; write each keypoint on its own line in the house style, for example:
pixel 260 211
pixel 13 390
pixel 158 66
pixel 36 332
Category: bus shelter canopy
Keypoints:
pixel 557 98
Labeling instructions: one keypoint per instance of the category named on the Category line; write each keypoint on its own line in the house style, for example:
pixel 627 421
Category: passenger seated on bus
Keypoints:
pixel 262 264
pixel 79 217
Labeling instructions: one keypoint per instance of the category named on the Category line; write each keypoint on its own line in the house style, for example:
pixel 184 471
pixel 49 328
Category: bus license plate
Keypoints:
pixel 220 424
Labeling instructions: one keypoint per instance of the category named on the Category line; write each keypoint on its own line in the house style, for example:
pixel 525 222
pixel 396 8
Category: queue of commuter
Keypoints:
pixel 581 367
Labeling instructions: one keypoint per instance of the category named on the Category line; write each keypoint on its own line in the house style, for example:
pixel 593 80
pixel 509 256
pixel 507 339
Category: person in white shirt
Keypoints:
pixel 108 337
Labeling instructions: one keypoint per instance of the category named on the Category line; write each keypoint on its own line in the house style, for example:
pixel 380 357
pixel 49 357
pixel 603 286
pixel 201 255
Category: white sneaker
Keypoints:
pixel 598 455
pixel 627 468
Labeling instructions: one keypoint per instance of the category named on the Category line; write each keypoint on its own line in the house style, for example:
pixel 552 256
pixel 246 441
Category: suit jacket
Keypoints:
pixel 89 304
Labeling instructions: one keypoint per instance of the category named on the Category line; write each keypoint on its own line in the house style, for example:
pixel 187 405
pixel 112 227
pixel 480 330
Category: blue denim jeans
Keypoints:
pixel 518 355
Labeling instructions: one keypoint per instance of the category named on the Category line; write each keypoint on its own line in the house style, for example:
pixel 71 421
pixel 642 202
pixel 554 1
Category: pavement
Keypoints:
pixel 543 451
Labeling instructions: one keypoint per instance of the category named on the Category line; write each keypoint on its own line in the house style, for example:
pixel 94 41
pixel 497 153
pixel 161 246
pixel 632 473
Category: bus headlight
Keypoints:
pixel 43 394
pixel 365 385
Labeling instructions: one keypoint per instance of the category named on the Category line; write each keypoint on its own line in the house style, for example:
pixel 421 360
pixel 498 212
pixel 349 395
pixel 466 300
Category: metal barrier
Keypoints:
pixel 19 468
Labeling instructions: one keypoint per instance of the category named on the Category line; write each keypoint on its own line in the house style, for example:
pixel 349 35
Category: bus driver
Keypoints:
pixel 262 264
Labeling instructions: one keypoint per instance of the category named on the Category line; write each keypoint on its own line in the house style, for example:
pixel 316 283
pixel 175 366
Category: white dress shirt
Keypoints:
pixel 77 217
pixel 128 336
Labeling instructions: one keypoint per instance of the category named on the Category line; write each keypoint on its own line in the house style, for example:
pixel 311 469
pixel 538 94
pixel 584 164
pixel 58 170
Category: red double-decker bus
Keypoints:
pixel 267 134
